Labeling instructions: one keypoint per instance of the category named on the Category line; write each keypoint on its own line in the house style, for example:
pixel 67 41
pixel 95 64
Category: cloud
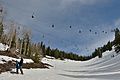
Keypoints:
pixel 66 3
pixel 85 2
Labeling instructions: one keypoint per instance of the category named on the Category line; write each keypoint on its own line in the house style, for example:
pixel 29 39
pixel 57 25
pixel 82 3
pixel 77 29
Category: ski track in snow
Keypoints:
pixel 106 68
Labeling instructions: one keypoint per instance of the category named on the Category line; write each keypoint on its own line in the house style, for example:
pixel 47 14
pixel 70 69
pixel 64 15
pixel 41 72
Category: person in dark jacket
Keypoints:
pixel 19 66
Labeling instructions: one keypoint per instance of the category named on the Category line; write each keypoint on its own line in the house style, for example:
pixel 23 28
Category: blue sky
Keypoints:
pixel 83 15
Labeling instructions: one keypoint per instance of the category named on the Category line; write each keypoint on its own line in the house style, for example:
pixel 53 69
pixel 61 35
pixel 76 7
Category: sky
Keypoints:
pixel 89 17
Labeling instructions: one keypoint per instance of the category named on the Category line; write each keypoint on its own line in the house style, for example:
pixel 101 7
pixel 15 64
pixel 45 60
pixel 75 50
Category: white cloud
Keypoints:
pixel 65 3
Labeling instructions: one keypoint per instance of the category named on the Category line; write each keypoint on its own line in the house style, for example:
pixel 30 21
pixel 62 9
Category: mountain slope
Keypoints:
pixel 106 68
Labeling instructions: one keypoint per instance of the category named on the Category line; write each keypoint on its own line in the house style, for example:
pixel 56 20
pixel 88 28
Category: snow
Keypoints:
pixel 105 68
pixel 3 47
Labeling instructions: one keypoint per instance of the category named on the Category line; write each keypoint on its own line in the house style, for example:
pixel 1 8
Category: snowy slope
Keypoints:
pixel 106 68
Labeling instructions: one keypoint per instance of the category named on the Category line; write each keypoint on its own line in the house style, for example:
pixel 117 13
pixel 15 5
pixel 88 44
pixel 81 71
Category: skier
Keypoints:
pixel 19 66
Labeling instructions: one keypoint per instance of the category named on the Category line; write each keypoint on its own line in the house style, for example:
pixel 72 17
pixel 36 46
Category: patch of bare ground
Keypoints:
pixel 8 53
pixel 36 65
pixel 12 54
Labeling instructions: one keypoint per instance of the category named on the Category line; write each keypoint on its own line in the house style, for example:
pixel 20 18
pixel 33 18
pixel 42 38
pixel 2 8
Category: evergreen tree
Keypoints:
pixel 94 54
pixel 36 56
pixel 1 29
pixel 43 50
pixel 41 44
pixel 56 53
pixel 109 46
pixel 99 53
pixel 48 51
pixel 117 37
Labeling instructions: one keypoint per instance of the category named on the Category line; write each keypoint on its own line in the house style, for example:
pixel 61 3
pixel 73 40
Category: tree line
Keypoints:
pixel 65 55
pixel 61 54
pixel 98 51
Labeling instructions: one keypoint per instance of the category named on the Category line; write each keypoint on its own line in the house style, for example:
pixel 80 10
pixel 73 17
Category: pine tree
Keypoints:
pixel 43 50
pixel 1 29
pixel 56 53
pixel 94 54
pixel 41 44
pixel 109 46
pixel 99 53
pixel 117 37
pixel 48 51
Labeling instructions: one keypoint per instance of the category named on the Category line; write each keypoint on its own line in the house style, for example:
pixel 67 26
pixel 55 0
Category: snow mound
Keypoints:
pixel 3 47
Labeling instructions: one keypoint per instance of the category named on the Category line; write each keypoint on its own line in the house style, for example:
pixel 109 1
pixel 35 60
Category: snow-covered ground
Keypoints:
pixel 106 68
pixel 3 47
